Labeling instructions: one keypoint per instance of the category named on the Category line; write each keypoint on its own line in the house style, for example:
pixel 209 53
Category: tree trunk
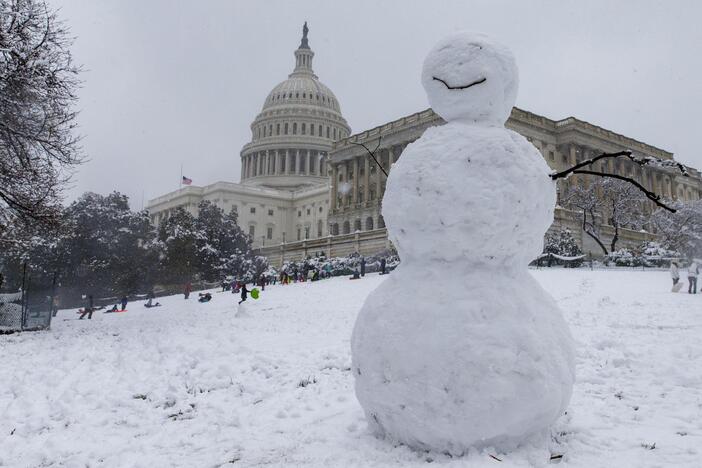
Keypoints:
pixel 591 234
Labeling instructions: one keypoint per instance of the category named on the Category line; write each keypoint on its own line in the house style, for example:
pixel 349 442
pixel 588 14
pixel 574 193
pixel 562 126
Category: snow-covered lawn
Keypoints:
pixel 195 385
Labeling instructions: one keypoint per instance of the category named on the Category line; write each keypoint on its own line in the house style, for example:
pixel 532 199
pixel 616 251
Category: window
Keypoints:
pixel 551 156
pixel 264 131
pixel 270 130
pixel 277 129
pixel 319 133
pixel 303 129
pixel 297 95
pixel 298 233
pixel 269 232
pixel 320 209
pixel 286 128
pixel 299 213
pixel 308 211
pixel 253 210
pixel 304 95
pixel 334 133
pixel 270 212
pixel 327 131
pixel 319 228
pixel 252 231
pixel 295 128
pixel 307 232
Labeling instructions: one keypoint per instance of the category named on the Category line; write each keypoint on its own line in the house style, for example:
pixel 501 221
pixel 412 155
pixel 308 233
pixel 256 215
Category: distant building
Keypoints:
pixel 283 195
pixel 307 189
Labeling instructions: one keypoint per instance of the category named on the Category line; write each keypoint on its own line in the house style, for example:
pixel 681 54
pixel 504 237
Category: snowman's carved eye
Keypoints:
pixel 482 80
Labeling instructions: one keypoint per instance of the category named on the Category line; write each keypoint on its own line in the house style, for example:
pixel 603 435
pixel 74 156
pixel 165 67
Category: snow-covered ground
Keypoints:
pixel 195 385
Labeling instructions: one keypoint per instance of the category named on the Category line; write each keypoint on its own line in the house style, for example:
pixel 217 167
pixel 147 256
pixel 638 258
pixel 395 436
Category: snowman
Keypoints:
pixel 460 347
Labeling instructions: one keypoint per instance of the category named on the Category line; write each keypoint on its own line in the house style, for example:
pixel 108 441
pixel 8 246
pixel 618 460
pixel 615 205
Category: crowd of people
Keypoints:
pixel 287 275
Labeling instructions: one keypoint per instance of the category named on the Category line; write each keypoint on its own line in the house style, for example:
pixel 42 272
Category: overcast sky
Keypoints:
pixel 178 82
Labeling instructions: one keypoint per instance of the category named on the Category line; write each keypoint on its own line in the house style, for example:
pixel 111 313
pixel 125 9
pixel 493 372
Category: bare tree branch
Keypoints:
pixel 650 195
pixel 372 153
pixel 642 161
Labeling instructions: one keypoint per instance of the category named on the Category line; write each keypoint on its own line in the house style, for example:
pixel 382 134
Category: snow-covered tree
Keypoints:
pixel 103 248
pixel 38 82
pixel 219 239
pixel 680 231
pixel 607 201
pixel 178 237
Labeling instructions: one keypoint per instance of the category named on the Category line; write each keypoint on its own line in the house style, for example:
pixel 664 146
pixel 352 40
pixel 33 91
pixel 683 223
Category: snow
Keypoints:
pixel 193 385
pixel 462 59
pixel 476 364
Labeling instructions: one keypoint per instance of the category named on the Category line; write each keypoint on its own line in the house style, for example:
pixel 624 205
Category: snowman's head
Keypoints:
pixel 469 77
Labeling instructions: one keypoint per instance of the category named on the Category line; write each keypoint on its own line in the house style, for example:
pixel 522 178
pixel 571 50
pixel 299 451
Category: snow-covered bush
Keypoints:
pixel 624 257
pixel 560 248
pixel 343 266
pixel 653 254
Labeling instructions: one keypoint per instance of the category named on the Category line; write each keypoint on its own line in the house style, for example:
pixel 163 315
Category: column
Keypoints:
pixel 390 158
pixel 378 179
pixel 334 189
pixel 575 179
pixel 243 168
pixel 309 161
pixel 354 196
pixel 366 178
pixel 288 160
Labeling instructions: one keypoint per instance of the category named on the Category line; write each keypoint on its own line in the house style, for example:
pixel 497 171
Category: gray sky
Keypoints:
pixel 172 82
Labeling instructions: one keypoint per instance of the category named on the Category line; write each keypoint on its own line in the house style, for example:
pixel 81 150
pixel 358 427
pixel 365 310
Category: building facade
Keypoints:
pixel 308 187
pixel 357 185
pixel 283 195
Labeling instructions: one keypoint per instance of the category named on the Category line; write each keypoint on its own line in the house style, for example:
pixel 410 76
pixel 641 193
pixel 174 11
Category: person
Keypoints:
pixel 55 306
pixel 363 266
pixel 88 310
pixel 692 271
pixel 674 272
pixel 113 309
pixel 382 266
pixel 149 304
pixel 244 291
pixel 262 282
pixel 205 297
pixel 186 290
pixel 124 303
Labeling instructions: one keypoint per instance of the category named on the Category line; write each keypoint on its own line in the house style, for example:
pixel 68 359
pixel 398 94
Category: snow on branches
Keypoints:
pixel 38 83
pixel 640 160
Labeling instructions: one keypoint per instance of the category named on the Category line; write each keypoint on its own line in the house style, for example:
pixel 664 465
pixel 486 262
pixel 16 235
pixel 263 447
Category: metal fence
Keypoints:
pixel 20 311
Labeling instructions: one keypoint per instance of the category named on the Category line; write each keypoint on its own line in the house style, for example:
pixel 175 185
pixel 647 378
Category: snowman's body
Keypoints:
pixel 460 346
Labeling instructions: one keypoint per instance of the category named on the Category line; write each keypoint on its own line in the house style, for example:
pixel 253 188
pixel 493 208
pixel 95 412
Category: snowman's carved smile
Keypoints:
pixel 460 87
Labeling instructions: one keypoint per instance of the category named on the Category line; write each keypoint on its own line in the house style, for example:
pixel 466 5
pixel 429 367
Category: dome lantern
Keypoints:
pixel 303 55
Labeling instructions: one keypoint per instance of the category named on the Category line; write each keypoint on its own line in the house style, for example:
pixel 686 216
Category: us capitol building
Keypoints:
pixel 307 188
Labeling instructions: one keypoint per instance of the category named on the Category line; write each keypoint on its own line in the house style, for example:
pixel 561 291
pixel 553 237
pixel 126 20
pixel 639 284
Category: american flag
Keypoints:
pixel 187 181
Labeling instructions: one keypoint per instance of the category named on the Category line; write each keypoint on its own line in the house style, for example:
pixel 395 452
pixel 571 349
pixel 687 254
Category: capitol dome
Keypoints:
pixel 293 133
